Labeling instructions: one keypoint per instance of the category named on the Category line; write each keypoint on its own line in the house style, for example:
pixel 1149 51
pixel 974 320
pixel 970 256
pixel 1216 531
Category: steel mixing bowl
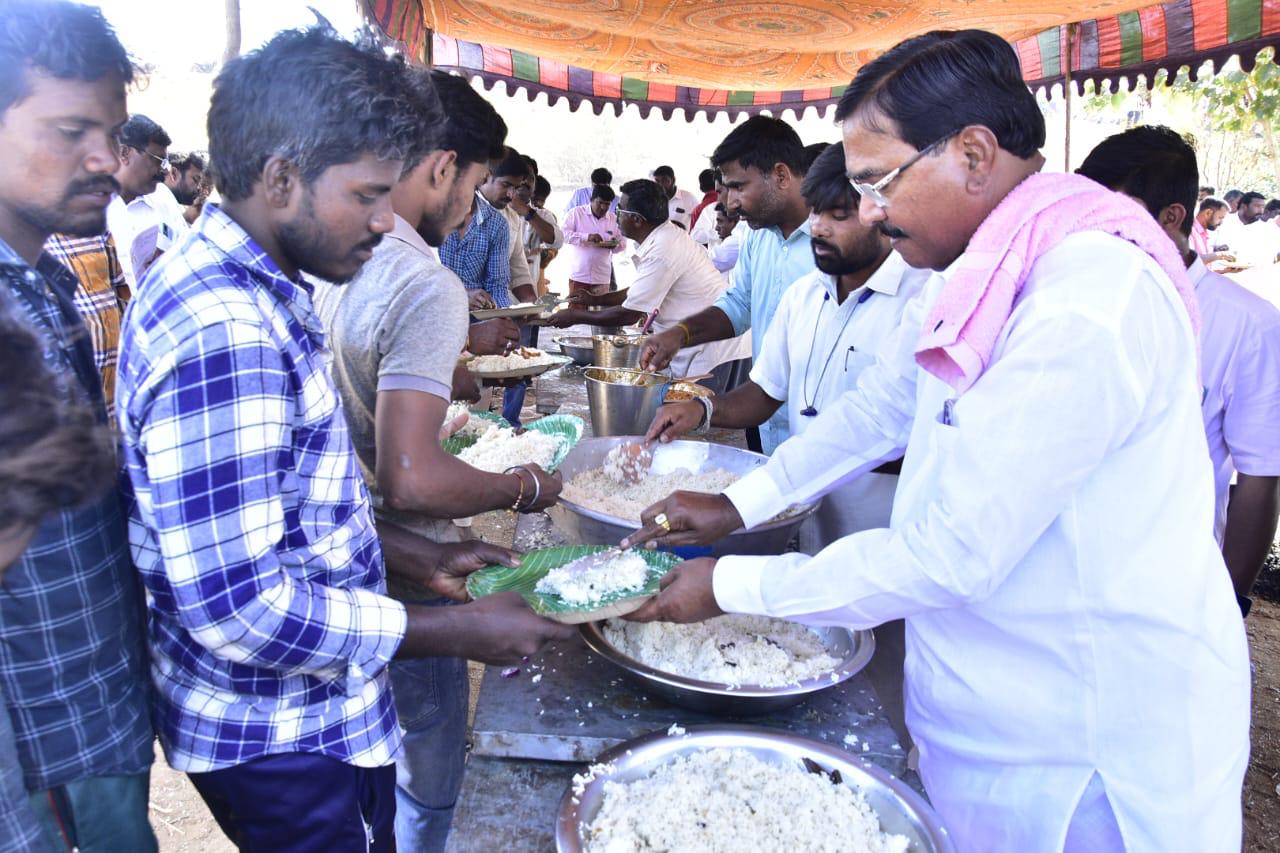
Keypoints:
pixel 591 527
pixel 901 810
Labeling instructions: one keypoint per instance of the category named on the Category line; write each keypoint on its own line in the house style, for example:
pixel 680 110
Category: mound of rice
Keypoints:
pixel 730 800
pixel 597 490
pixel 498 448
pixel 734 649
pixel 521 358
pixel 588 579
pixel 473 426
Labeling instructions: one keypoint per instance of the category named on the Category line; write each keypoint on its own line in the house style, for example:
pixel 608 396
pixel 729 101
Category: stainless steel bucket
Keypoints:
pixel 623 409
pixel 617 350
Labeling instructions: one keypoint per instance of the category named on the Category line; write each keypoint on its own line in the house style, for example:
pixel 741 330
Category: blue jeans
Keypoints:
pixel 298 802
pixel 102 814
pixel 431 702
pixel 513 400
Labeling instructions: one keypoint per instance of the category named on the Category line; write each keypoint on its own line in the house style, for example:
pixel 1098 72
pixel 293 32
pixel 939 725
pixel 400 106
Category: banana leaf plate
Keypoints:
pixel 534 566
pixel 568 427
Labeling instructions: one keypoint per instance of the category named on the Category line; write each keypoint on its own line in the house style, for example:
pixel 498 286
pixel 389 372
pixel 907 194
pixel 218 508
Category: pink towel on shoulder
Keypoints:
pixel 963 326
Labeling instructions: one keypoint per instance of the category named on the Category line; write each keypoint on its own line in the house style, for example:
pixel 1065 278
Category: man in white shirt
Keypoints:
pixel 828 328
pixel 680 203
pixel 535 240
pixel 1077 676
pixel 142 226
pixel 1240 350
pixel 674 277
pixel 1234 230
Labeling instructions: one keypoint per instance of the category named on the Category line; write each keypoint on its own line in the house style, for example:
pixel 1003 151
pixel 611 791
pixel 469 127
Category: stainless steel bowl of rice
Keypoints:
pixel 648 788
pixel 590 512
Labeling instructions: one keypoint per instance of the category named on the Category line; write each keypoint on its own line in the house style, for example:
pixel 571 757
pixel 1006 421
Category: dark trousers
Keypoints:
pixel 302 803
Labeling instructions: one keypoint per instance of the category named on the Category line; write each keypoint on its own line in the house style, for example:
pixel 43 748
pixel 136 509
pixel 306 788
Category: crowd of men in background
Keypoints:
pixel 276 588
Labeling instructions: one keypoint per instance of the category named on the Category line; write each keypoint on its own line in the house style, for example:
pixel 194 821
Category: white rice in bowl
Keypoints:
pixel 498 448
pixel 734 649
pixel 473 426
pixel 729 800
pixel 597 490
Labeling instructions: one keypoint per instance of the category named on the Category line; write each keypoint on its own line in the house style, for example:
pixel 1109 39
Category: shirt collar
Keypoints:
pixel 802 231
pixel 483 208
pixel 406 233
pixel 1197 272
pixel 226 235
pixel 886 279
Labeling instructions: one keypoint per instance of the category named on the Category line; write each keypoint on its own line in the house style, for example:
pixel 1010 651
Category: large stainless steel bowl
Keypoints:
pixel 901 810
pixel 577 348
pixel 622 408
pixel 852 648
pixel 617 350
pixel 589 527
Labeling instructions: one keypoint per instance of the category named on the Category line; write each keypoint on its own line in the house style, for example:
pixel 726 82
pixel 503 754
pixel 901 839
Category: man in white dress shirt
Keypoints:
pixel 680 203
pixel 1240 346
pixel 1077 676
pixel 143 226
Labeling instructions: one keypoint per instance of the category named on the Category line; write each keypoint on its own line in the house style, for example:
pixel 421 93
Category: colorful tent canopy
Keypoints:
pixel 737 56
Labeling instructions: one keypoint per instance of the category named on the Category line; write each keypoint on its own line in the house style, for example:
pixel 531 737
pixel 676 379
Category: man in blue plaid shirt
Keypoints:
pixel 271 629
pixel 73 668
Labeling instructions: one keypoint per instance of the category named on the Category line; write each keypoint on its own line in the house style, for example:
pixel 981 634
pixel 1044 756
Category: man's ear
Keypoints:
pixel 979 148
pixel 441 168
pixel 1172 217
pixel 280 181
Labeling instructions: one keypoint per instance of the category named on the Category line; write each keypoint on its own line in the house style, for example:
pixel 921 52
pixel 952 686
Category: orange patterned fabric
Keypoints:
pixel 732 44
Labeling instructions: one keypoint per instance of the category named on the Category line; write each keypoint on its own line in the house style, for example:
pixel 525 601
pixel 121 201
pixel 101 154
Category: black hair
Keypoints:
pixel 648 199
pixel 664 172
pixel 182 162
pixel 68 41
pixel 761 142
pixel 531 163
pixel 811 153
pixel 139 132
pixel 602 191
pixel 601 176
pixel 54 452
pixel 826 186
pixel 1250 197
pixel 317 101
pixel 1274 204
pixel 933 85
pixel 720 208
pixel 473 130
pixel 512 166
pixel 541 186
pixel 1211 203
pixel 707 180
pixel 1150 163
pixel 1207 190
pixel 1232 195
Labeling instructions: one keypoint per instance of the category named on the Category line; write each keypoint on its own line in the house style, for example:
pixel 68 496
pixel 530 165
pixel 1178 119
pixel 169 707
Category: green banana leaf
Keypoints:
pixel 534 566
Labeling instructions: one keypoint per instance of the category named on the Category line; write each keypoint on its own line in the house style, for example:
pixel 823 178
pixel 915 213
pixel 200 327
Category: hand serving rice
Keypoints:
pixel 734 649
pixel 599 489
pixel 587 580
pixel 730 800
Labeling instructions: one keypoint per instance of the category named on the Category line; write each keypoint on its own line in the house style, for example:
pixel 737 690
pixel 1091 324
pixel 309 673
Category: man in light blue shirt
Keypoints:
pixel 762 163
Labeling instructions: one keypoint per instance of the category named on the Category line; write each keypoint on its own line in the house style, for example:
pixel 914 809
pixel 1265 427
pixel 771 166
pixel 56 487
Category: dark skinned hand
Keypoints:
pixel 465 388
pixel 459 559
pixel 493 337
pixel 695 518
pixel 549 485
pixel 479 300
pixel 675 420
pixel 687 595
pixel 500 629
pixel 659 349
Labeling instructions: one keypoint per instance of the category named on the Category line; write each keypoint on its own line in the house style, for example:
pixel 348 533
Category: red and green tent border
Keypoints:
pixel 1129 46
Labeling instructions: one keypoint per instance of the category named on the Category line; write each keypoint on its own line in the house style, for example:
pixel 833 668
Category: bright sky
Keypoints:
pixel 177 34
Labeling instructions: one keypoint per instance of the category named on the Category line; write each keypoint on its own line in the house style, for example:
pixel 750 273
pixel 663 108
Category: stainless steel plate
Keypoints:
pixel 901 810
pixel 589 527
pixel 852 648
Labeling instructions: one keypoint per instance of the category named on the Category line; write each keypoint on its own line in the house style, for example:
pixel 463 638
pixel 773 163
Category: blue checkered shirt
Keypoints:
pixel 269 623
pixel 73 666
pixel 482 257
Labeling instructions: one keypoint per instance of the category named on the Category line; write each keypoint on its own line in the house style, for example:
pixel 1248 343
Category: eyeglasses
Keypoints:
pixel 875 191
pixel 163 161
pixel 632 212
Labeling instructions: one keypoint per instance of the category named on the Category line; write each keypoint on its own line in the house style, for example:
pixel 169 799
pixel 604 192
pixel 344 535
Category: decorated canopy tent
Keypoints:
pixel 738 56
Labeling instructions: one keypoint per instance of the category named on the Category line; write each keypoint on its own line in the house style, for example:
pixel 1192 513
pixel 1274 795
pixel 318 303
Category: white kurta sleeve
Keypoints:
pixel 864 428
pixel 1066 391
